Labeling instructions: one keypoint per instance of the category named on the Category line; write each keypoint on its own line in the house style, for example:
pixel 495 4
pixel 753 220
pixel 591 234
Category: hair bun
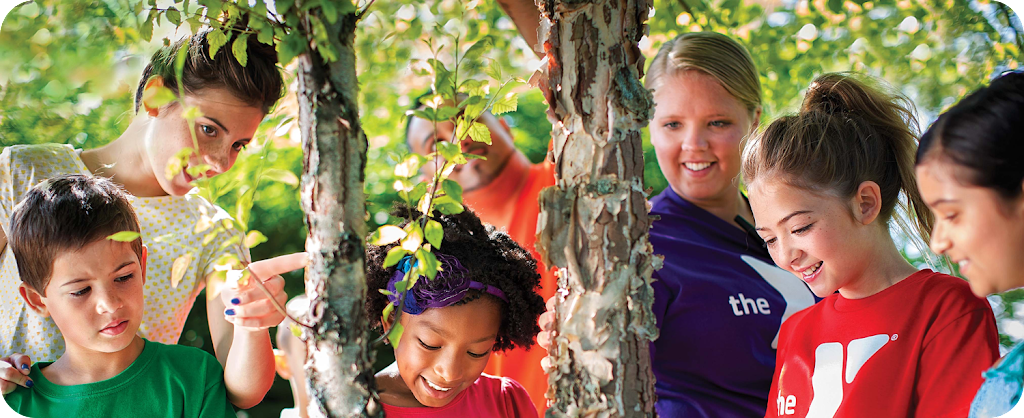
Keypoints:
pixel 833 94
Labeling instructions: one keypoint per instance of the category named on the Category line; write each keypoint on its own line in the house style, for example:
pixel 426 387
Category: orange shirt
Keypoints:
pixel 509 202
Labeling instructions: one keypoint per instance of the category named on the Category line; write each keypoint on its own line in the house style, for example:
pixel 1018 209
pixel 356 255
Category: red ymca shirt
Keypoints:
pixel 915 349
pixel 509 202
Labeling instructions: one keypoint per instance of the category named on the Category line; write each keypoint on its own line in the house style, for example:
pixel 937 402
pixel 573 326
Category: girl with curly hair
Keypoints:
pixel 484 299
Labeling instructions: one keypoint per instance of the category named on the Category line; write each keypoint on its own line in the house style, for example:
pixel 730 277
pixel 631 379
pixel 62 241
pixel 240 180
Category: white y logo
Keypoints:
pixel 827 379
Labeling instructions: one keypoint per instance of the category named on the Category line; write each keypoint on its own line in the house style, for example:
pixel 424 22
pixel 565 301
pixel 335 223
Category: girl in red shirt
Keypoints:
pixel 887 340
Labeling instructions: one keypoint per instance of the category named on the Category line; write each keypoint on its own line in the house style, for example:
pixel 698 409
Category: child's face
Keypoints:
pixel 227 125
pixel 444 350
pixel 811 235
pixel 697 133
pixel 95 296
pixel 976 227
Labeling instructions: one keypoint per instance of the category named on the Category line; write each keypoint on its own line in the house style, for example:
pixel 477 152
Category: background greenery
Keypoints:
pixel 68 71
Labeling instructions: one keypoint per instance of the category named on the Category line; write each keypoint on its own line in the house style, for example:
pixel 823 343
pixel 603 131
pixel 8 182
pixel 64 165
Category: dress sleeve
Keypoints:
pixel 952 362
pixel 520 404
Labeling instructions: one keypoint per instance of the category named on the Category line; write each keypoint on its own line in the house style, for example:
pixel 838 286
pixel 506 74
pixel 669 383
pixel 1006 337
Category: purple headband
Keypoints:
pixel 453 285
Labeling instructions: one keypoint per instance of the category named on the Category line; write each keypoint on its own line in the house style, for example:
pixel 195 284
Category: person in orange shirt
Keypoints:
pixel 502 189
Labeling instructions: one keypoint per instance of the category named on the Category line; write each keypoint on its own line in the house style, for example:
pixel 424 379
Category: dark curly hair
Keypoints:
pixel 491 257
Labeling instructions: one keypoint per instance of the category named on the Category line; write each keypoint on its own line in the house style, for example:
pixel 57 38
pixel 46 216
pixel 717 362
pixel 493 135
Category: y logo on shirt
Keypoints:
pixel 827 379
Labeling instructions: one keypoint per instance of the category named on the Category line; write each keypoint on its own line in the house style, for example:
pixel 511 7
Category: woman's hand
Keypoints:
pixel 251 307
pixel 14 371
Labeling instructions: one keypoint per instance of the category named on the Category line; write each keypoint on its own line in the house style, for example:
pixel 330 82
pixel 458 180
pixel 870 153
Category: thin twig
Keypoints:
pixel 273 301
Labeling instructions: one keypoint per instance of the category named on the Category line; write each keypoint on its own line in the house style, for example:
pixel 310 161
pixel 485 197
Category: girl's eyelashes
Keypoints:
pixel 803 229
pixel 672 125
pixel 428 347
pixel 239 146
pixel 475 355
pixel 125 278
pixel 720 123
pixel 80 293
pixel 768 243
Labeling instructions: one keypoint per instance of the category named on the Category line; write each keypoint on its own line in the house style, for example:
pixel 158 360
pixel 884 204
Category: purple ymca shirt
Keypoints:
pixel 719 301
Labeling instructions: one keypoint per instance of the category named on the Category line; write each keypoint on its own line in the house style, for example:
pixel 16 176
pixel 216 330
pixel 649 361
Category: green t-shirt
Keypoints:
pixel 165 381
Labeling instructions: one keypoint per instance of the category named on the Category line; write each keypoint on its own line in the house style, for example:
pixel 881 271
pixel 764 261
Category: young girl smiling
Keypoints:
pixel 887 340
pixel 484 299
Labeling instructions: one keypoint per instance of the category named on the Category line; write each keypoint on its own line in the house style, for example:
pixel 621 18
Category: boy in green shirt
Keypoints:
pixel 92 288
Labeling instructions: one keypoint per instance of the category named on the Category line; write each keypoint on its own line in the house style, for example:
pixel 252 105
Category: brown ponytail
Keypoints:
pixel 850 129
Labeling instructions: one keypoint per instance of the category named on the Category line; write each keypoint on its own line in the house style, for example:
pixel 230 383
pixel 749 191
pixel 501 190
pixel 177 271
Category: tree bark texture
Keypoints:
pixel 339 363
pixel 594 222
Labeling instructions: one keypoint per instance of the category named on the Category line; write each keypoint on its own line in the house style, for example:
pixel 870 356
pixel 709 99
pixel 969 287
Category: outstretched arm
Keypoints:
pixel 526 16
pixel 239 319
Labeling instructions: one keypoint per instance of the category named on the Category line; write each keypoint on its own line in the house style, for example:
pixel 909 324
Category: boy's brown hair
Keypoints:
pixel 65 214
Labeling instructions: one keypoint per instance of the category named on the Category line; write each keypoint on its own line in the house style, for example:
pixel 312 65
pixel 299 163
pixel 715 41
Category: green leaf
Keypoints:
pixel 412 241
pixel 474 156
pixel 387 234
pixel 239 48
pixel 290 47
pixel 157 96
pixel 410 166
pixel 254 238
pixel 475 107
pixel 265 35
pixel 281 175
pixel 177 162
pixel 448 206
pixel 125 236
pixel 446 112
pixel 494 70
pixel 394 256
pixel 283 6
pixel 508 103
pixel 478 49
pixel 179 267
pixel 173 16
pixel 296 331
pixel 480 133
pixel 389 308
pixel 192 113
pixel 448 150
pixel 434 233
pixel 330 11
pixel 395 334
pixel 146 31
pixel 217 39
pixel 429 262
pixel 452 189
pixel 418 192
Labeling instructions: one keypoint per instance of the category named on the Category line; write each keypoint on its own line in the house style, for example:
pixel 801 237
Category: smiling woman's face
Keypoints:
pixel 976 227
pixel 698 131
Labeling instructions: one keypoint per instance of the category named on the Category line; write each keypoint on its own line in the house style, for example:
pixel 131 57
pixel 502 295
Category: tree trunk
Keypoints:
pixel 339 364
pixel 594 221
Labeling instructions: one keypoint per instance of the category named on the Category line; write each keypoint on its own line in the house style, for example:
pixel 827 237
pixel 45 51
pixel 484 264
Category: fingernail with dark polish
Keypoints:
pixel 24 367
pixel 229 312
pixel 235 301
pixel 29 383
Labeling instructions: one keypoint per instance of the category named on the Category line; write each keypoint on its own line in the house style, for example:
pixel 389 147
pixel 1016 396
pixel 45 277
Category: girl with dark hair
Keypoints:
pixel 971 175
pixel 233 100
pixel 887 340
pixel 485 299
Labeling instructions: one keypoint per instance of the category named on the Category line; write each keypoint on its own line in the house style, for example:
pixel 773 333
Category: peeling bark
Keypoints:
pixel 594 222
pixel 339 365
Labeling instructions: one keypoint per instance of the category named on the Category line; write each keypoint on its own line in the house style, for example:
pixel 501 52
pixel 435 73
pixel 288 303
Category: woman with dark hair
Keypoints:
pixel 970 170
